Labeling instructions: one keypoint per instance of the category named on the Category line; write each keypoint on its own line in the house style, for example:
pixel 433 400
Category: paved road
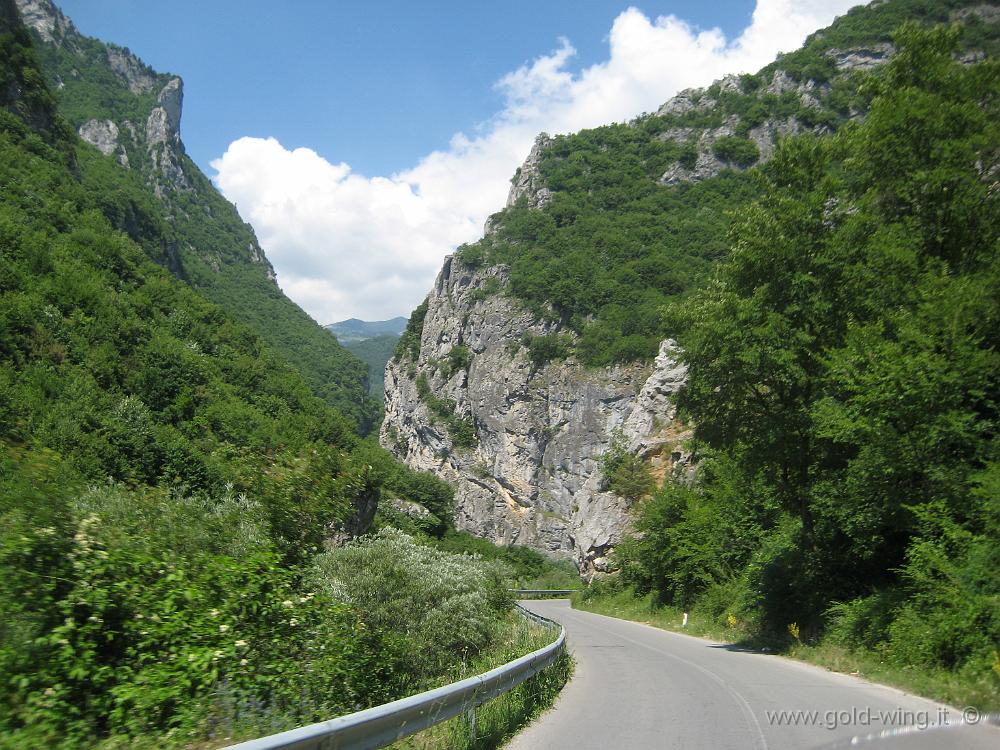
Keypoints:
pixel 639 687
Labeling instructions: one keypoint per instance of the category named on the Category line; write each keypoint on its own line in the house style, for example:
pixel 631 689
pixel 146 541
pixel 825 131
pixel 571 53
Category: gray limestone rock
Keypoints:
pixel 408 508
pixel 46 19
pixel 986 13
pixel 688 100
pixel 131 70
pixel 534 478
pixel 101 133
pixel 171 99
pixel 164 121
pixel 527 182
pixel 861 58
pixel 765 135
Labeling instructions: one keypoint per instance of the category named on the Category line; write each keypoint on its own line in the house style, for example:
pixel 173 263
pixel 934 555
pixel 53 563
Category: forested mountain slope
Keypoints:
pixel 605 225
pixel 537 376
pixel 132 114
pixel 375 353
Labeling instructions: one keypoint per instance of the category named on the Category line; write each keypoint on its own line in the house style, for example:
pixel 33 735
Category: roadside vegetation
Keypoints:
pixel 845 390
pixel 499 720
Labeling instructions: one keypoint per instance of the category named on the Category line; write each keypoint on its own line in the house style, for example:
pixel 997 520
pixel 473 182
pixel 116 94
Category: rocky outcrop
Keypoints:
pixel 533 478
pixel 163 140
pixel 131 71
pixel 101 133
pixel 104 135
pixel 765 136
pixel 46 19
pixel 864 58
pixel 528 182
pixel 986 13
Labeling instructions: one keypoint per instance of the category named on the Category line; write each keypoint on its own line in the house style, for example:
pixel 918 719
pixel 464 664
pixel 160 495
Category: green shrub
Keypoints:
pixel 626 474
pixel 162 599
pixel 547 348
pixel 445 606
pixel 489 288
pixel 735 150
pixel 408 346
pixel 529 567
pixel 688 156
pixel 459 358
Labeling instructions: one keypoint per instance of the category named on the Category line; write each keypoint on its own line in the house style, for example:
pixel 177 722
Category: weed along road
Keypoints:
pixel 639 687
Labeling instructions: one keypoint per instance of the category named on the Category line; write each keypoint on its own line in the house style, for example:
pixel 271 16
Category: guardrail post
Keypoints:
pixel 471 715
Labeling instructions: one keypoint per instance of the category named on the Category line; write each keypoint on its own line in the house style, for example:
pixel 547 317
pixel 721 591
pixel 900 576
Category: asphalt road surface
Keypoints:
pixel 640 687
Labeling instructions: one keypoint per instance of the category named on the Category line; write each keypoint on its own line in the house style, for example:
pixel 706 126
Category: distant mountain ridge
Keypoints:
pixel 354 330
pixel 373 342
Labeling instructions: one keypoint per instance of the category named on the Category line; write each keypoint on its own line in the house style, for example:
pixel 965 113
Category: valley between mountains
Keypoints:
pixel 733 363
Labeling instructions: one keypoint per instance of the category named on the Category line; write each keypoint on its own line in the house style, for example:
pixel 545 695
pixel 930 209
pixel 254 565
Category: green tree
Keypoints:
pixel 625 473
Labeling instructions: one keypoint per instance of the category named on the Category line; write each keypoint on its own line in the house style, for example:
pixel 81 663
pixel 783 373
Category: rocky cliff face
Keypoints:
pixel 534 476
pixel 764 135
pixel 528 182
pixel 47 20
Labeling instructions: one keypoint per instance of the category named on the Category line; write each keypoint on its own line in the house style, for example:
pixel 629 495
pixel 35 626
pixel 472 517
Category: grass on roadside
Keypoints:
pixel 954 688
pixel 499 719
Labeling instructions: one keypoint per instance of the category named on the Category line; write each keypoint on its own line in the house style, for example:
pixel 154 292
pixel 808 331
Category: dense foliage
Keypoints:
pixel 845 386
pixel 613 245
pixel 529 568
pixel 129 374
pixel 143 612
pixel 134 415
pixel 625 474
pixel 867 25
pixel 440 604
pixel 408 346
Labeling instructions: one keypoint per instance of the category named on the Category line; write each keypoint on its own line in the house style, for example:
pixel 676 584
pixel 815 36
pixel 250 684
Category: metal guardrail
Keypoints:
pixel 553 592
pixel 383 725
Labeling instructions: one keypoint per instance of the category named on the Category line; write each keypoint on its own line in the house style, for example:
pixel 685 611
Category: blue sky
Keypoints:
pixel 377 84
pixel 365 141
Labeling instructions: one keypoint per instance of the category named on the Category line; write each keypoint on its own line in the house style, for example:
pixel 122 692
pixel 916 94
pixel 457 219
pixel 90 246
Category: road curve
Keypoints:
pixel 640 687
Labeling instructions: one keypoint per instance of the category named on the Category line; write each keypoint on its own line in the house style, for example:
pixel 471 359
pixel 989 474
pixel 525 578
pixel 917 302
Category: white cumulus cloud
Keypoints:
pixel 346 245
